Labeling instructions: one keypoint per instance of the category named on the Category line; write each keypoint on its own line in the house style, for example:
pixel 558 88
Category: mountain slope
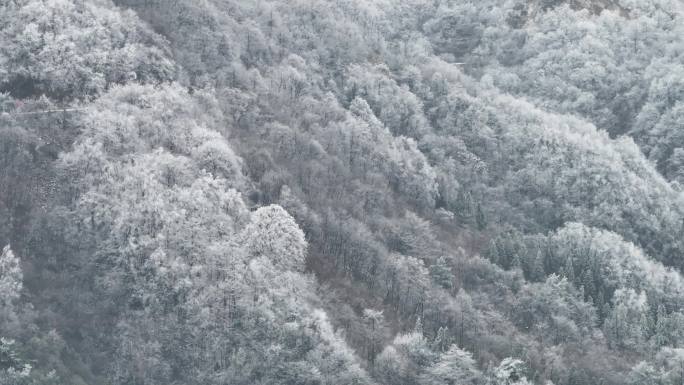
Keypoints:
pixel 353 192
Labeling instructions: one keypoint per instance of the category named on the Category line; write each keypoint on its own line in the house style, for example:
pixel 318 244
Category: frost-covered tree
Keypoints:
pixel 72 50
pixel 455 366
pixel 10 277
pixel 511 371
pixel 11 282
pixel 375 322
pixel 625 324
pixel 274 235
pixel 441 273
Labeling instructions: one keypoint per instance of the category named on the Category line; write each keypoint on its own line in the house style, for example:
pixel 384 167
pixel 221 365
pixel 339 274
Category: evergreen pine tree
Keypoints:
pixel 441 273
pixel 569 271
pixel 537 269
pixel 480 218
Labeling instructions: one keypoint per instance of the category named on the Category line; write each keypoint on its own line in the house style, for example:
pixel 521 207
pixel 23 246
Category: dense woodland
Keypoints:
pixel 331 192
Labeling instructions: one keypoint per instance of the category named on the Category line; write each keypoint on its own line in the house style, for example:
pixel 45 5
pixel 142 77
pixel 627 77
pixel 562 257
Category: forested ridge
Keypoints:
pixel 368 192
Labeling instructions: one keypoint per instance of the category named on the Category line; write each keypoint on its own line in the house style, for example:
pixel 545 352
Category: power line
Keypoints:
pixel 48 111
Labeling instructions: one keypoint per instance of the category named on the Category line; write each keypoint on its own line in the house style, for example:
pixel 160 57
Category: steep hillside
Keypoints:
pixel 350 192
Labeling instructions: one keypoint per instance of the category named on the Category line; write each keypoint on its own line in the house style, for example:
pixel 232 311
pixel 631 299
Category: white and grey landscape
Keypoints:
pixel 341 192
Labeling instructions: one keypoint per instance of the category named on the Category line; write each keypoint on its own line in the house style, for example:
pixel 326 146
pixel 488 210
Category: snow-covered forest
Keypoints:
pixel 341 192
